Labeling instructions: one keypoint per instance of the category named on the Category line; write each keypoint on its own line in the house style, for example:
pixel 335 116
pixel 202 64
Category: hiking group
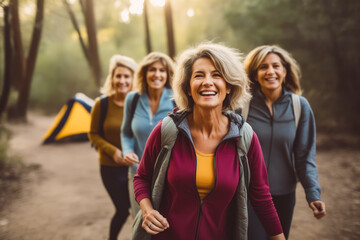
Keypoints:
pixel 209 147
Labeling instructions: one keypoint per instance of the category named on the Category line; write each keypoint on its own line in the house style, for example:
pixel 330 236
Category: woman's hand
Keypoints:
pixel 153 221
pixel 118 157
pixel 130 159
pixel 318 208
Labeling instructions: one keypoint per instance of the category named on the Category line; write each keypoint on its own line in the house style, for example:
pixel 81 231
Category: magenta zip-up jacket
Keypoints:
pixel 211 218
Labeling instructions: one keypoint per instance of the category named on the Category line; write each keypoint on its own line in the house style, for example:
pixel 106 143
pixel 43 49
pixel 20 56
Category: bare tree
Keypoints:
pixel 18 57
pixel 90 50
pixel 7 63
pixel 170 29
pixel 25 66
pixel 147 29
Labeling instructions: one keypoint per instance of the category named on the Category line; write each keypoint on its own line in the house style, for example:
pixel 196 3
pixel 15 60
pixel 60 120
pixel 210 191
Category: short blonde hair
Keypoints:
pixel 117 61
pixel 149 59
pixel 254 59
pixel 227 61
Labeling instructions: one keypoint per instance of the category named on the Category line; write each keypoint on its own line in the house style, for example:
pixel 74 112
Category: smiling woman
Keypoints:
pixel 288 149
pixel 202 175
pixel 106 119
pixel 144 109
pixel 208 87
pixel 271 75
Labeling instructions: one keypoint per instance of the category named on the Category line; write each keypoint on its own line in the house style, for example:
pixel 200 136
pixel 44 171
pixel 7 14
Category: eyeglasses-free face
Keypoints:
pixel 208 88
pixel 122 80
pixel 271 73
pixel 156 76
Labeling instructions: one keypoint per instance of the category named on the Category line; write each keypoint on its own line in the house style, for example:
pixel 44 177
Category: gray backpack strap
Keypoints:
pixel 241 197
pixel 297 114
pixel 245 110
pixel 243 145
pixel 169 134
pixel 296 108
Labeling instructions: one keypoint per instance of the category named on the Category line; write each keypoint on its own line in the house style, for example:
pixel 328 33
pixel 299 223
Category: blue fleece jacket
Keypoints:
pixel 287 151
pixel 135 132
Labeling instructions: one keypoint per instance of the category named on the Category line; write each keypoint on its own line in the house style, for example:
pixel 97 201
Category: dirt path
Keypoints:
pixel 63 198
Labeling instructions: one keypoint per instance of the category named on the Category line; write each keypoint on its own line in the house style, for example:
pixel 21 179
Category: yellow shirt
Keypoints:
pixel 205 173
pixel 108 144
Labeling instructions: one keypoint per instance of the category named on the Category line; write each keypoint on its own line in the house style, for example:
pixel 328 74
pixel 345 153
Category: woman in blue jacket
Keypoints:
pixel 289 151
pixel 153 81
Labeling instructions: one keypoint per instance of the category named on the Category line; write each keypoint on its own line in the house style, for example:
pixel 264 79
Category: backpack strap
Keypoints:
pixel 133 104
pixel 245 110
pixel 296 108
pixel 295 103
pixel 169 134
pixel 103 112
pixel 243 145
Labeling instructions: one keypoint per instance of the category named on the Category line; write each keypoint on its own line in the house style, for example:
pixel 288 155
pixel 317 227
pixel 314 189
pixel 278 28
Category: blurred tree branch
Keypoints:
pixel 91 50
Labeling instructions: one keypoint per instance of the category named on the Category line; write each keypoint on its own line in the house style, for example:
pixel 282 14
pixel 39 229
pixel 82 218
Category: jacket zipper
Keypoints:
pixel 200 209
pixel 150 118
pixel 202 201
pixel 198 219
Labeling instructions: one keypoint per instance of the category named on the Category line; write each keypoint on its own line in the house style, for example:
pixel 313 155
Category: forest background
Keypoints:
pixel 52 49
pixel 322 35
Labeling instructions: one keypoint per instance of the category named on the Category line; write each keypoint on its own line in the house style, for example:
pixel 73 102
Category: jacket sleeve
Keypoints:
pixel 304 153
pixel 94 134
pixel 127 136
pixel 143 178
pixel 259 191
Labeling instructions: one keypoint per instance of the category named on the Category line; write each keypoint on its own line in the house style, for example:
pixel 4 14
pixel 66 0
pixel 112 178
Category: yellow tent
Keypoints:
pixel 72 122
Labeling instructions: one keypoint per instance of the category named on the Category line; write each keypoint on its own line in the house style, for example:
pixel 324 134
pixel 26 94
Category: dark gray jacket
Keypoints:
pixel 287 151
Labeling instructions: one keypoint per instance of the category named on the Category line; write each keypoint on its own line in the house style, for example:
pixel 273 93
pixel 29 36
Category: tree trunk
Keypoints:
pixel 147 29
pixel 88 10
pixel 24 92
pixel 7 63
pixel 18 59
pixel 170 29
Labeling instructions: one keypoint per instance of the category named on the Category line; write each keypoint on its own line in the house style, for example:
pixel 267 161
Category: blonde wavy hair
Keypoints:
pixel 117 61
pixel 256 56
pixel 227 61
pixel 140 82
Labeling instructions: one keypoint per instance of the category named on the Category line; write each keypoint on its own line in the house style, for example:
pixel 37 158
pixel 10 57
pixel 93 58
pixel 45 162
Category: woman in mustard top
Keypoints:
pixel 105 135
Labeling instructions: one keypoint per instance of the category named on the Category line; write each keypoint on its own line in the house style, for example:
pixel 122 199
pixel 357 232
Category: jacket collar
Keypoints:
pixel 285 93
pixel 236 122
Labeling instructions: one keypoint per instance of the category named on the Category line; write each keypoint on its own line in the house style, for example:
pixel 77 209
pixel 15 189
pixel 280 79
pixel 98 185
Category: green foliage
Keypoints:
pixel 62 69
pixel 322 35
pixel 59 75
pixel 207 24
